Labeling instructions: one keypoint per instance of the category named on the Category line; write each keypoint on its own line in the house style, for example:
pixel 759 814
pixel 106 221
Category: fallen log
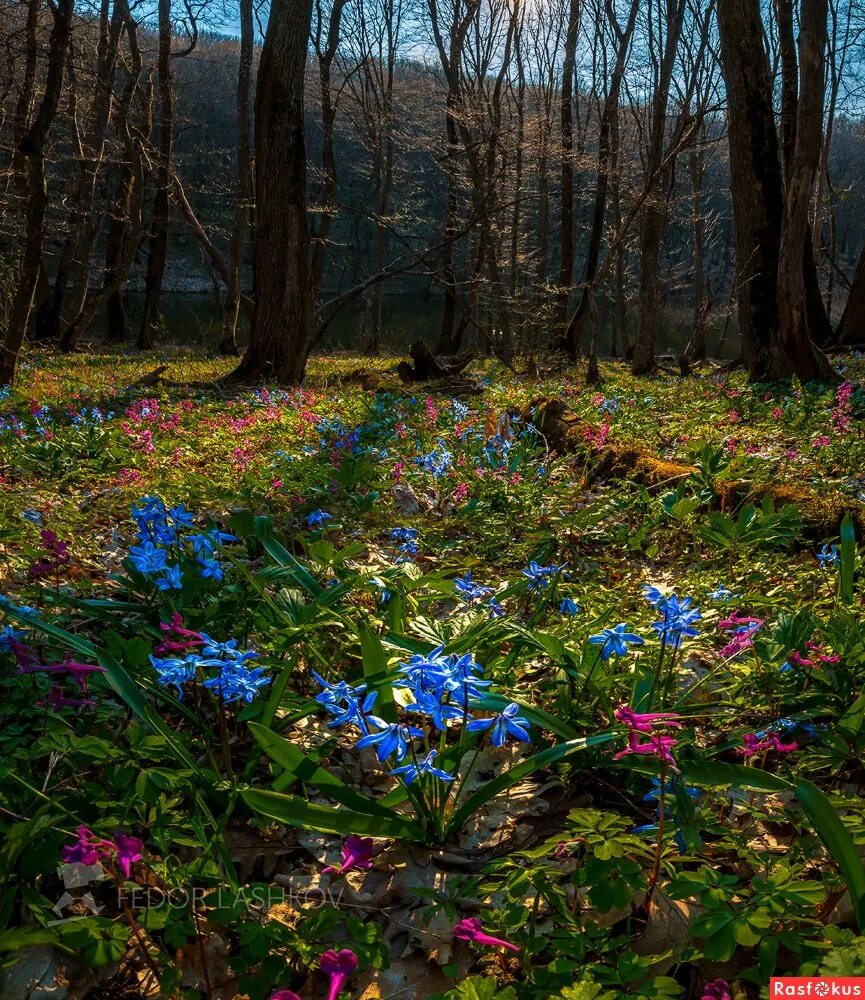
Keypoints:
pixel 566 433
pixel 427 367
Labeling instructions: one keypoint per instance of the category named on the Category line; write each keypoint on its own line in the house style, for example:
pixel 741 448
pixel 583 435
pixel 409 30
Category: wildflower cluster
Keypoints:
pixel 233 681
pixel 162 545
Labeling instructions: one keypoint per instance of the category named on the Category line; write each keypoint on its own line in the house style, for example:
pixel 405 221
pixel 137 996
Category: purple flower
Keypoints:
pixel 718 989
pixel 338 966
pixel 356 853
pixel 129 850
pixel 471 929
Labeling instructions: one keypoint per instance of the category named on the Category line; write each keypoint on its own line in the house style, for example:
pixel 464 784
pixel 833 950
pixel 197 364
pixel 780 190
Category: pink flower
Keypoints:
pixel 285 995
pixel 129 850
pixel 735 621
pixel 771 741
pixel 645 722
pixel 656 745
pixel 87 850
pixel 718 989
pixel 471 929
pixel 338 965
pixel 356 853
pixel 460 493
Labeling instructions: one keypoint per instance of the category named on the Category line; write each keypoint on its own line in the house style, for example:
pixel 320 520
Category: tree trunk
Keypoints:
pixel 32 152
pixel 566 230
pixel 755 176
pixel 795 353
pixel 851 329
pixel 158 250
pixel 242 184
pixel 282 328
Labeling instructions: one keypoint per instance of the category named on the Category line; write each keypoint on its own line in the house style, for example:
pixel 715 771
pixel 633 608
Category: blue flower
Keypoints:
pixel 172 671
pixel 678 620
pixel 615 640
pixel 569 607
pixel 235 682
pixel 828 556
pixel 653 595
pixel 172 579
pixel 211 569
pixel 317 518
pixel 391 738
pixel 9 636
pixel 721 593
pixel 506 723
pixel 411 772
pixel 181 516
pixel 403 534
pixel 439 712
pixel 469 590
pixel 344 702
pixel 539 576
pixel 147 558
pixel 33 516
pixel 495 609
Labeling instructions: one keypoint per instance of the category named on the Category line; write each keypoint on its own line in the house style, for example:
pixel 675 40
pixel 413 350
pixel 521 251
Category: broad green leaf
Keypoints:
pixel 280 554
pixel 848 559
pixel 297 765
pixel 375 672
pixel 295 811
pixel 838 842
pixel 734 775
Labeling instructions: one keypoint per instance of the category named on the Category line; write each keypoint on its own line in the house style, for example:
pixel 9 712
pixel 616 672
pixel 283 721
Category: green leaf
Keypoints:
pixel 118 679
pixel 848 558
pixel 299 572
pixel 837 841
pixel 295 811
pixel 552 755
pixel 297 765
pixel 734 775
pixel 26 937
pixel 375 671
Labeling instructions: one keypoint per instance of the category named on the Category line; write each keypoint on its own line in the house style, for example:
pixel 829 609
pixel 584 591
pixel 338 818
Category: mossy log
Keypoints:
pixel 566 433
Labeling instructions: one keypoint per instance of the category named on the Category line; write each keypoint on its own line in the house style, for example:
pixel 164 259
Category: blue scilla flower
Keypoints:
pixel 174 672
pixel 470 591
pixel 829 555
pixel 569 607
pixel 506 723
pixel 235 682
pixel 148 558
pixel 440 712
pixel 181 516
pixel 438 461
pixel 211 569
pixel 318 518
pixel 411 772
pixel 538 576
pixel 678 620
pixel 615 640
pixel 403 534
pixel 654 596
pixel 226 650
pixel 494 609
pixel 406 552
pixel 171 579
pixel 9 636
pixel 722 594
pixel 390 740
pixel 33 516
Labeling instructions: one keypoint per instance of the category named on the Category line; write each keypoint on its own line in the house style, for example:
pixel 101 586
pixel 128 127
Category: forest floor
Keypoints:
pixel 608 678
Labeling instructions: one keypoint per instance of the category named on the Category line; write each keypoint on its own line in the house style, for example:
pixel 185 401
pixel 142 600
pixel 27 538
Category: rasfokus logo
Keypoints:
pixel 817 986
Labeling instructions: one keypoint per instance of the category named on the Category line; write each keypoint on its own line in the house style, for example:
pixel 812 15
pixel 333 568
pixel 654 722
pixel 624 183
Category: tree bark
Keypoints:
pixel 158 249
pixel 31 150
pixel 755 177
pixel 795 353
pixel 851 329
pixel 242 184
pixel 282 328
pixel 566 229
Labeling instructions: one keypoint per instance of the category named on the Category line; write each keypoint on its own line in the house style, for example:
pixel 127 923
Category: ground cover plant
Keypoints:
pixel 354 690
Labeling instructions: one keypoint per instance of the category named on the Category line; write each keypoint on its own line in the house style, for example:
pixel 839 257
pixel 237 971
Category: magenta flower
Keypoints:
pixel 57 699
pixel 285 995
pixel 718 989
pixel 754 745
pixel 129 850
pixel 179 639
pixel 356 853
pixel 338 965
pixel 736 621
pixel 656 745
pixel 471 929
pixel 87 850
pixel 645 722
